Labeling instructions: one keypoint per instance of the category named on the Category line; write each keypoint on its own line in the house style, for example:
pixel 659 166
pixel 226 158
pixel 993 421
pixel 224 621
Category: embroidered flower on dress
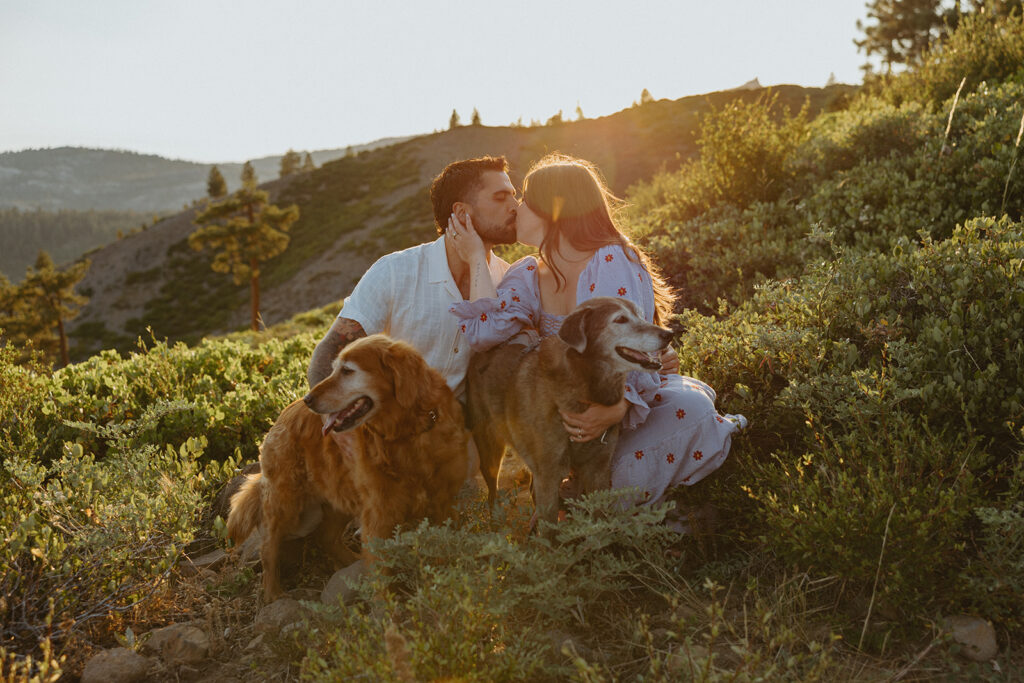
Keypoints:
pixel 463 329
pixel 502 305
pixel 622 291
pixel 531 267
pixel 657 397
pixel 686 480
pixel 483 317
pixel 592 285
pixel 680 414
pixel 671 458
pixel 608 258
pixel 697 455
pixel 639 455
pixel 719 418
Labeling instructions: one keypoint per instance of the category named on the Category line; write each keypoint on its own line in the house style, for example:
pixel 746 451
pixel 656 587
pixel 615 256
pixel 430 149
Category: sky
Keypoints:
pixel 219 81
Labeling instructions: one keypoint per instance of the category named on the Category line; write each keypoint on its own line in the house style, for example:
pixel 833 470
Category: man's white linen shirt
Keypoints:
pixel 406 295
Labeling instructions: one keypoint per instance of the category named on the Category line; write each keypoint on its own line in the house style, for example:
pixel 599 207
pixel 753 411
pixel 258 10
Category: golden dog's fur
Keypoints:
pixel 406 462
pixel 515 393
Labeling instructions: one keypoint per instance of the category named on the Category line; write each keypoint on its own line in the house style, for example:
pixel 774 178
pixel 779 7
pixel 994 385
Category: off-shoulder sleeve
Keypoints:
pixel 488 321
pixel 611 273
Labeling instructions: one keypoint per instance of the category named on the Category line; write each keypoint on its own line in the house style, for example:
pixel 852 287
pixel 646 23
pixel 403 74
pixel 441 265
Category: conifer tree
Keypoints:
pixel 290 162
pixel 579 112
pixel 216 187
pixel 8 297
pixel 245 229
pixel 248 174
pixel 902 30
pixel 307 164
pixel 645 96
pixel 454 121
pixel 44 301
pixel 475 120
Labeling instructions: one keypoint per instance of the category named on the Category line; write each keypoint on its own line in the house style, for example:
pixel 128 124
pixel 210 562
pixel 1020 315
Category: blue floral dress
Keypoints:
pixel 672 433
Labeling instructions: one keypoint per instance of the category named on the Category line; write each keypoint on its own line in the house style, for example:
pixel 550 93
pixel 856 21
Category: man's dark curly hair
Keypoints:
pixel 457 183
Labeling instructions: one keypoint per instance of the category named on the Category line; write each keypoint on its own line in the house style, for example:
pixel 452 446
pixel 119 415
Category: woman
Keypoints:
pixel 671 433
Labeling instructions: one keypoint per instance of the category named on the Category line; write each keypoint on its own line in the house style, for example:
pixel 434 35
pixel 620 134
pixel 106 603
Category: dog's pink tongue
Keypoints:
pixel 330 423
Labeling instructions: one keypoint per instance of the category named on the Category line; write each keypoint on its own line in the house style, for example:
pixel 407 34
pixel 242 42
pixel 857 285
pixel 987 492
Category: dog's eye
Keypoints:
pixel 620 319
pixel 346 371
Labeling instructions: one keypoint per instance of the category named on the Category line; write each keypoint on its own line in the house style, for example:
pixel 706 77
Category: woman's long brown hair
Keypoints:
pixel 569 194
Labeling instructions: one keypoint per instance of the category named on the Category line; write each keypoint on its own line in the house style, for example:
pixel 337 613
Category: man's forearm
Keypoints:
pixel 342 332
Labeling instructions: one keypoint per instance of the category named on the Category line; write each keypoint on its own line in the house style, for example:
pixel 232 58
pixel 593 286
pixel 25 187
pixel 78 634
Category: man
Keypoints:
pixel 406 294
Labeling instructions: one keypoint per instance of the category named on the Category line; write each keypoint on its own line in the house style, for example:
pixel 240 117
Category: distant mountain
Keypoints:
pixel 356 208
pixel 104 179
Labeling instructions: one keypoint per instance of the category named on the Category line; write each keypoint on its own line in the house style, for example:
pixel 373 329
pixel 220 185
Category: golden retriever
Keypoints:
pixel 515 393
pixel 407 462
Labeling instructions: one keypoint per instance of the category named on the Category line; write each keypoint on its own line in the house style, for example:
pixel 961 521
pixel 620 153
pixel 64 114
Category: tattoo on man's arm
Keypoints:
pixel 342 333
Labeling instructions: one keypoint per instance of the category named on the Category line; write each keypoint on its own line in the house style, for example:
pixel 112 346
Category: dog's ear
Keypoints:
pixel 409 373
pixel 574 329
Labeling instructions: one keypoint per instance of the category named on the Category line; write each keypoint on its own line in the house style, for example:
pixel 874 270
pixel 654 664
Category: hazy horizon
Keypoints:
pixel 208 83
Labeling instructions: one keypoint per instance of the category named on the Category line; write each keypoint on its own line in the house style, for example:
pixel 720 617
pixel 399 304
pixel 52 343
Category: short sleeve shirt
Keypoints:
pixel 406 295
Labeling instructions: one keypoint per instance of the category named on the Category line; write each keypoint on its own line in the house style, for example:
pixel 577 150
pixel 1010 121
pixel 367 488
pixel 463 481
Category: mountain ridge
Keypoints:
pixel 356 208
pixel 88 178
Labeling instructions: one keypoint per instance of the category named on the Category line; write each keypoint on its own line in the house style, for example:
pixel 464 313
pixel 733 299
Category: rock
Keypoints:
pixel 566 644
pixel 686 659
pixel 976 635
pixel 278 614
pixel 249 550
pixel 255 642
pixel 209 561
pixel 118 665
pixel 179 644
pixel 341 586
pixel 222 504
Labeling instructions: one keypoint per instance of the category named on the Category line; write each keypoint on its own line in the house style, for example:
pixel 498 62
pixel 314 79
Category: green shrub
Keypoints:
pixel 743 151
pixel 882 496
pixel 228 391
pixel 472 603
pixel 88 538
pixel 982 48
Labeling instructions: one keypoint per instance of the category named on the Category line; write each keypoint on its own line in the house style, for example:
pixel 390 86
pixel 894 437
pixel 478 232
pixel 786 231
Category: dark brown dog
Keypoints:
pixel 408 462
pixel 515 393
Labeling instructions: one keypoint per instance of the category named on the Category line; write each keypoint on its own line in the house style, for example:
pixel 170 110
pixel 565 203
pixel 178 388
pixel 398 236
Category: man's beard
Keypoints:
pixel 504 233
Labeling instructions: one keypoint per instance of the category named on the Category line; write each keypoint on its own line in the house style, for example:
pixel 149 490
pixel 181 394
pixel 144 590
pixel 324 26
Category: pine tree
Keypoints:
pixel 645 96
pixel 579 112
pixel 454 121
pixel 216 187
pixel 902 32
pixel 44 301
pixel 307 164
pixel 245 230
pixel 475 120
pixel 248 175
pixel 290 162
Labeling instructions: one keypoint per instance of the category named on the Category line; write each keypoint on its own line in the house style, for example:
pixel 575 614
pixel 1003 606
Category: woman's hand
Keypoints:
pixel 669 362
pixel 594 421
pixel 467 242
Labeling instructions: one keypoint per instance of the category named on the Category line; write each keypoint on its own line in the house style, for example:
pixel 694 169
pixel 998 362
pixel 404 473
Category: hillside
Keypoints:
pixel 64 234
pixel 104 179
pixel 354 209
pixel 850 284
